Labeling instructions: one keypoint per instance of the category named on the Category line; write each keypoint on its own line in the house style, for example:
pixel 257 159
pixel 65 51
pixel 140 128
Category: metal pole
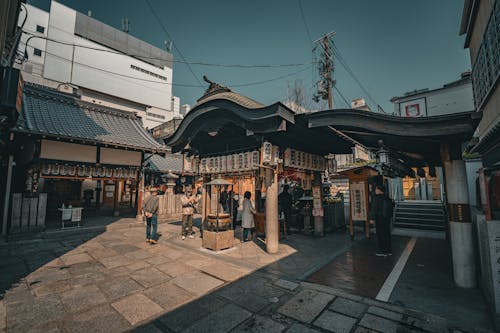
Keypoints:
pixel 7 195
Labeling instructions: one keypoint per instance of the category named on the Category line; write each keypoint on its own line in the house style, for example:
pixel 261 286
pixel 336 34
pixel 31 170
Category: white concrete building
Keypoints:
pixel 75 53
pixel 453 97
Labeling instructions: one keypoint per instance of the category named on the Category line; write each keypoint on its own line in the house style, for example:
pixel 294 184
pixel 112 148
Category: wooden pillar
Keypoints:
pixel 140 197
pixel 272 223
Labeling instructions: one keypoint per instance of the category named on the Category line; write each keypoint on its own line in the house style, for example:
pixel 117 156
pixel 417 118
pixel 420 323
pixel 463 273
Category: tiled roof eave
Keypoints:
pixel 87 140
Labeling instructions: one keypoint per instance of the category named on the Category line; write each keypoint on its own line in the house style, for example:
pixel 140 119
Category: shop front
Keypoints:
pixel 80 155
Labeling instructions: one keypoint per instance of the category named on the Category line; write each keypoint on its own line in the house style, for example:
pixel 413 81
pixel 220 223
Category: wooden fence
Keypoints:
pixel 28 212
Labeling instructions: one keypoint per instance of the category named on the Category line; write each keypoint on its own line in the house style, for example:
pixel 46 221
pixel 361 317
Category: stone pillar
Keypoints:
pixel 272 224
pixel 6 203
pixel 318 220
pixel 205 203
pixel 464 270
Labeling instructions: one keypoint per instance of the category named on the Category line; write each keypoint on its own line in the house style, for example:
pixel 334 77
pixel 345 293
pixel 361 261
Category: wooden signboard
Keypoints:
pixel 358 201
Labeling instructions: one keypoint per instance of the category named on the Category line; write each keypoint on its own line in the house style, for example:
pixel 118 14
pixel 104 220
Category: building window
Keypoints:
pixel 40 29
pixel 154 115
pixel 486 68
pixel 145 71
pixel 37 52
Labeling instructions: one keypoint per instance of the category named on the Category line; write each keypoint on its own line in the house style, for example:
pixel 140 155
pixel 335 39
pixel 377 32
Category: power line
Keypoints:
pixel 170 37
pixel 173 60
pixel 341 96
pixel 167 83
pixel 351 73
pixel 270 80
pixel 304 20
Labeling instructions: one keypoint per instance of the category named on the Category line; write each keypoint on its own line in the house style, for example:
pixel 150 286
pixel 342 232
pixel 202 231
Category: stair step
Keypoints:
pixel 419 226
pixel 417 209
pixel 424 217
pixel 410 221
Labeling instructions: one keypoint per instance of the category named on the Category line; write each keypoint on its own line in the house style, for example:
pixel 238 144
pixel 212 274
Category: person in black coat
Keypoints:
pixel 380 215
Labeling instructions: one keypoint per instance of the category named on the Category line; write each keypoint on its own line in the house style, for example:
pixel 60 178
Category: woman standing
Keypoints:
pixel 247 221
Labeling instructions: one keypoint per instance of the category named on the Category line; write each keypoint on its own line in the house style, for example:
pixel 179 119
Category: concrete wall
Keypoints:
pixel 86 67
pixel 150 95
pixel 35 17
pixel 472 168
pixel 489 280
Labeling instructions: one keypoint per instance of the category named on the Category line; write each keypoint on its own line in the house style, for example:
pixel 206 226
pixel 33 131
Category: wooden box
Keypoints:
pixel 217 241
pixel 260 223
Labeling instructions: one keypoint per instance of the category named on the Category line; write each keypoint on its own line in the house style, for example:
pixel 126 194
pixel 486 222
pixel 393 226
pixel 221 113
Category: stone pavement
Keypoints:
pixel 113 281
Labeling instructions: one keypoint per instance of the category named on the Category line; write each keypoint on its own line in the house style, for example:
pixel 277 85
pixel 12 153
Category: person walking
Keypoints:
pixel 150 210
pixel 188 201
pixel 247 220
pixel 380 215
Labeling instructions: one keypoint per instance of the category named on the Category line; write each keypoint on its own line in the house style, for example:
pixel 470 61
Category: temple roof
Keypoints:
pixel 50 113
pixel 216 91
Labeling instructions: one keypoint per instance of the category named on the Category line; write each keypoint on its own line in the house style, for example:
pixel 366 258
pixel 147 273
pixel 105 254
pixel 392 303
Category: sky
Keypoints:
pixel 391 46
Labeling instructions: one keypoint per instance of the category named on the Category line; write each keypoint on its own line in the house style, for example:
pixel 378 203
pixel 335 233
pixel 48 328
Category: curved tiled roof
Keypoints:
pixel 233 97
pixel 169 163
pixel 48 112
pixel 216 91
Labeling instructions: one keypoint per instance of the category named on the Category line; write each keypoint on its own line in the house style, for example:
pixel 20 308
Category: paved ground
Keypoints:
pixel 112 281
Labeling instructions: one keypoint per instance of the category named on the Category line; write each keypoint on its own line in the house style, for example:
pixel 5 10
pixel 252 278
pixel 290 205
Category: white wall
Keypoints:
pixel 35 17
pixel 439 102
pixel 176 106
pixel 87 68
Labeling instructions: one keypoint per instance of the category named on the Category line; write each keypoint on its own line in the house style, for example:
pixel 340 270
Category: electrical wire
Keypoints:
pixel 171 39
pixel 270 80
pixel 342 96
pixel 175 61
pixel 304 20
pixel 337 53
pixel 172 84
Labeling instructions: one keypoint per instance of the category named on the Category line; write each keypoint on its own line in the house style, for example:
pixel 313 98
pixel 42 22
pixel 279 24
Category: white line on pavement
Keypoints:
pixel 389 284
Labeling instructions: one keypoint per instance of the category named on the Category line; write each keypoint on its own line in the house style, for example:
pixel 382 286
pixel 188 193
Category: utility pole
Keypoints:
pixel 325 68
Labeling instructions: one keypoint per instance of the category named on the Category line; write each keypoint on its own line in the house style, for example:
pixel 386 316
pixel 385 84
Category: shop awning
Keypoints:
pixel 51 114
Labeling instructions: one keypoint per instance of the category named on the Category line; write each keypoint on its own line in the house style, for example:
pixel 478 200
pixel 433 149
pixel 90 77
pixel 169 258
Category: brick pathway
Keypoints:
pixel 113 281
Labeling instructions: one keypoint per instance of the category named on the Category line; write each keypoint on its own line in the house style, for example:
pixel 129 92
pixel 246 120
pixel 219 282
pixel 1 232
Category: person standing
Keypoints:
pixel 150 210
pixel 223 200
pixel 285 204
pixel 380 215
pixel 188 201
pixel 247 220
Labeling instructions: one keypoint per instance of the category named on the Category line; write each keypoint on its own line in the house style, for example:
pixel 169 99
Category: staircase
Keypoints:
pixel 420 215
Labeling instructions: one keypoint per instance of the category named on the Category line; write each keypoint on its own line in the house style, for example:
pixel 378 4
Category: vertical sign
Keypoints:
pixel 358 201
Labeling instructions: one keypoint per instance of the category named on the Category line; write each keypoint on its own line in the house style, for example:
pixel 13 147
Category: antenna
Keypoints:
pixel 125 25
pixel 168 45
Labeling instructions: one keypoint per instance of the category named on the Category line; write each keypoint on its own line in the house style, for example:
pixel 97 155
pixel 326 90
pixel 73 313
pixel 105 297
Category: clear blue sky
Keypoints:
pixel 393 46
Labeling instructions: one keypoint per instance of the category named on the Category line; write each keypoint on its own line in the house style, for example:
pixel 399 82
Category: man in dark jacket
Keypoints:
pixel 285 205
pixel 381 214
pixel 150 210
